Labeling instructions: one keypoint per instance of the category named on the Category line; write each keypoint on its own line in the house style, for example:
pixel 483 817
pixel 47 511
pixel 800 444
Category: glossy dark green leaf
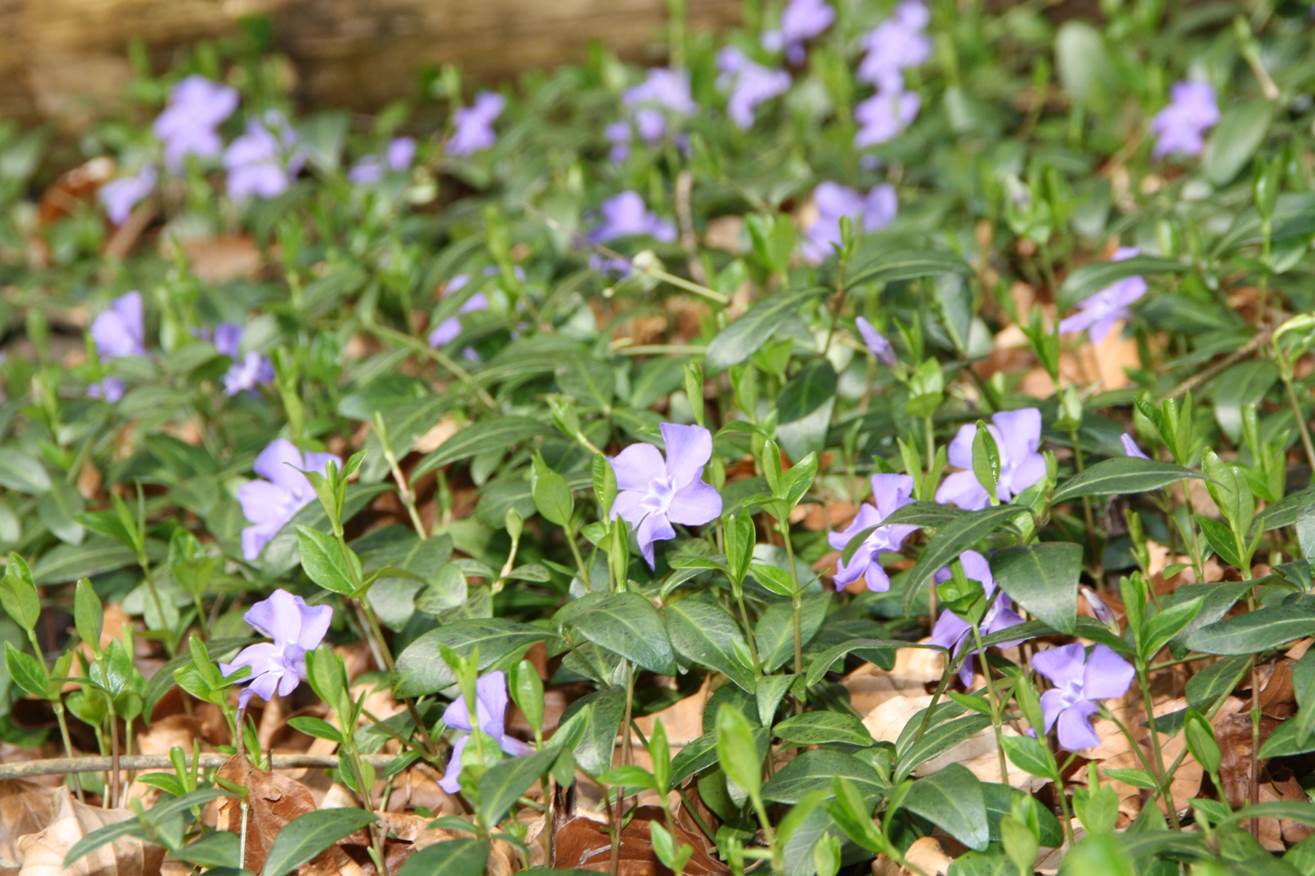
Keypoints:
pixel 742 338
pixel 301 839
pixel 1119 476
pixel 459 857
pixel 1042 578
pixel 1256 631
pixel 815 769
pixel 483 436
pixel 624 623
pixel 803 410
pixel 951 798
pixel 822 728
pixel 420 669
pixel 703 632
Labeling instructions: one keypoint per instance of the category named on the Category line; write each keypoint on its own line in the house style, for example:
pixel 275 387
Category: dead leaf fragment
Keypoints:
pixel 42 853
pixel 274 800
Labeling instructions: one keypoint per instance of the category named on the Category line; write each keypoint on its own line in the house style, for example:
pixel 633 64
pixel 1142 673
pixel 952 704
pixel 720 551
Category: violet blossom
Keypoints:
pixel 118 332
pixel 954 633
pixel 1181 126
pixel 1080 681
pixel 270 503
pixel 1099 313
pixel 884 116
pixel 249 370
pixel 626 215
pixel 1017 436
pixel 263 161
pixel 889 492
pixel 655 492
pixel 869 212
pixel 396 159
pixel 877 343
pixel 1130 447
pixel 450 328
pixel 750 84
pixel 894 45
pixel 801 21
pixel 277 667
pixel 188 123
pixel 474 124
pixel 663 95
pixel 119 196
pixel 491 717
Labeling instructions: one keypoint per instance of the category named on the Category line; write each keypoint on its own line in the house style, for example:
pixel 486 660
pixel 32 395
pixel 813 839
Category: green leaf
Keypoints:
pixel 1241 129
pixel 742 338
pixel 1204 688
pixel 22 473
pixel 803 410
pixel 736 752
pixel 481 437
pixel 420 669
pixel 305 837
pixel 551 494
pixel 1042 578
pixel 27 672
pixel 328 562
pixel 1120 476
pixel 815 769
pixel 821 728
pixel 1167 623
pixel 951 798
pixel 167 809
pixel 703 632
pixel 18 593
pixel 914 748
pixel 624 623
pixel 504 782
pixel 1243 384
pixel 1030 755
pixel 873 650
pixel 888 264
pixel 1092 277
pixel 955 537
pixel 88 614
pixel 460 857
pixel 774 631
pixel 1256 631
pixel 1081 60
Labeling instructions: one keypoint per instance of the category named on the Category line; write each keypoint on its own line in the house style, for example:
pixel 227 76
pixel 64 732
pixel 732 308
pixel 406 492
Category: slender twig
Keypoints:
pixel 98 763
pixel 1220 365
pixel 685 219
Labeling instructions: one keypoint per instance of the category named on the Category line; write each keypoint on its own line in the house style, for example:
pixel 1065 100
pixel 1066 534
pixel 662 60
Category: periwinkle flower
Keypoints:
pixel 396 159
pixel 1017 436
pixel 1181 126
pixel 869 212
pixel 877 343
pixel 654 492
pixel 249 370
pixel 491 718
pixel 663 95
pixel 188 123
pixel 1081 680
pixel 474 124
pixel 270 503
pixel 263 161
pixel 801 21
pixel 889 492
pixel 894 45
pixel 119 196
pixel 884 116
pixel 450 328
pixel 121 330
pixel 1130 447
pixel 750 84
pixel 626 215
pixel 277 667
pixel 954 633
pixel 1099 313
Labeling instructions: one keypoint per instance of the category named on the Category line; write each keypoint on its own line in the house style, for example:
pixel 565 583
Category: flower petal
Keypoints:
pixel 688 449
pixel 1075 733
pixel 694 504
pixel 1107 676
pixel 1061 666
pixel 637 466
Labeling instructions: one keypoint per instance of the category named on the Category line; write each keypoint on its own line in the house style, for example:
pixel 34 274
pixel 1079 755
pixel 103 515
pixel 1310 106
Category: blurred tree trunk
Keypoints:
pixel 66 60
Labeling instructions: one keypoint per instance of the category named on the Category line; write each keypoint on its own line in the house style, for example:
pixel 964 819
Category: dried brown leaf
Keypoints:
pixel 42 853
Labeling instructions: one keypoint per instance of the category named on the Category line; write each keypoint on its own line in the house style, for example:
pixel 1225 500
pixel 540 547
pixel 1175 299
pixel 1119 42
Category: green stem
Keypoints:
pixel 1162 775
pixel 995 706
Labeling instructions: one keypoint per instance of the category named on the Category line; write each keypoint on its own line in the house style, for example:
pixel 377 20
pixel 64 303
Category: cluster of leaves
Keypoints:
pixel 468 529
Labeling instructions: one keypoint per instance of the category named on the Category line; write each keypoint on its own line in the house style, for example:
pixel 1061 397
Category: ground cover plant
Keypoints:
pixel 877 441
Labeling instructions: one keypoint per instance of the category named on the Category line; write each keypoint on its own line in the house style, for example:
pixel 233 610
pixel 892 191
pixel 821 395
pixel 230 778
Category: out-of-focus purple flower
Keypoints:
pixel 1099 313
pixel 868 212
pixel 448 329
pixel 249 370
pixel 277 667
pixel 896 44
pixel 119 196
pixel 121 330
pixel 270 503
pixel 1017 436
pixel 187 125
pixel 800 22
pixel 877 343
pixel 663 95
pixel 1130 447
pixel 397 158
pixel 884 116
pixel 1193 109
pixel 263 161
pixel 749 83
pixel 655 492
pixel 625 215
pixel 474 124
pixel 1081 680
pixel 954 633
pixel 491 718
pixel 889 492
pixel 108 389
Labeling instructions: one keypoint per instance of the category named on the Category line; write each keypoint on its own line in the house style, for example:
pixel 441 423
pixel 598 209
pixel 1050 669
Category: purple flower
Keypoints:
pixel 1080 681
pixel 884 116
pixel 869 212
pixel 277 667
pixel 249 370
pixel 953 632
pixel 626 215
pixel 108 389
pixel 187 124
pixel 270 503
pixel 663 95
pixel 121 330
pixel 750 84
pixel 657 492
pixel 896 44
pixel 1181 126
pixel 800 22
pixel 121 195
pixel 889 492
pixel 397 158
pixel 1130 447
pixel 474 124
pixel 1017 436
pixel 448 329
pixel 490 715
pixel 1099 313
pixel 876 342
pixel 263 160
